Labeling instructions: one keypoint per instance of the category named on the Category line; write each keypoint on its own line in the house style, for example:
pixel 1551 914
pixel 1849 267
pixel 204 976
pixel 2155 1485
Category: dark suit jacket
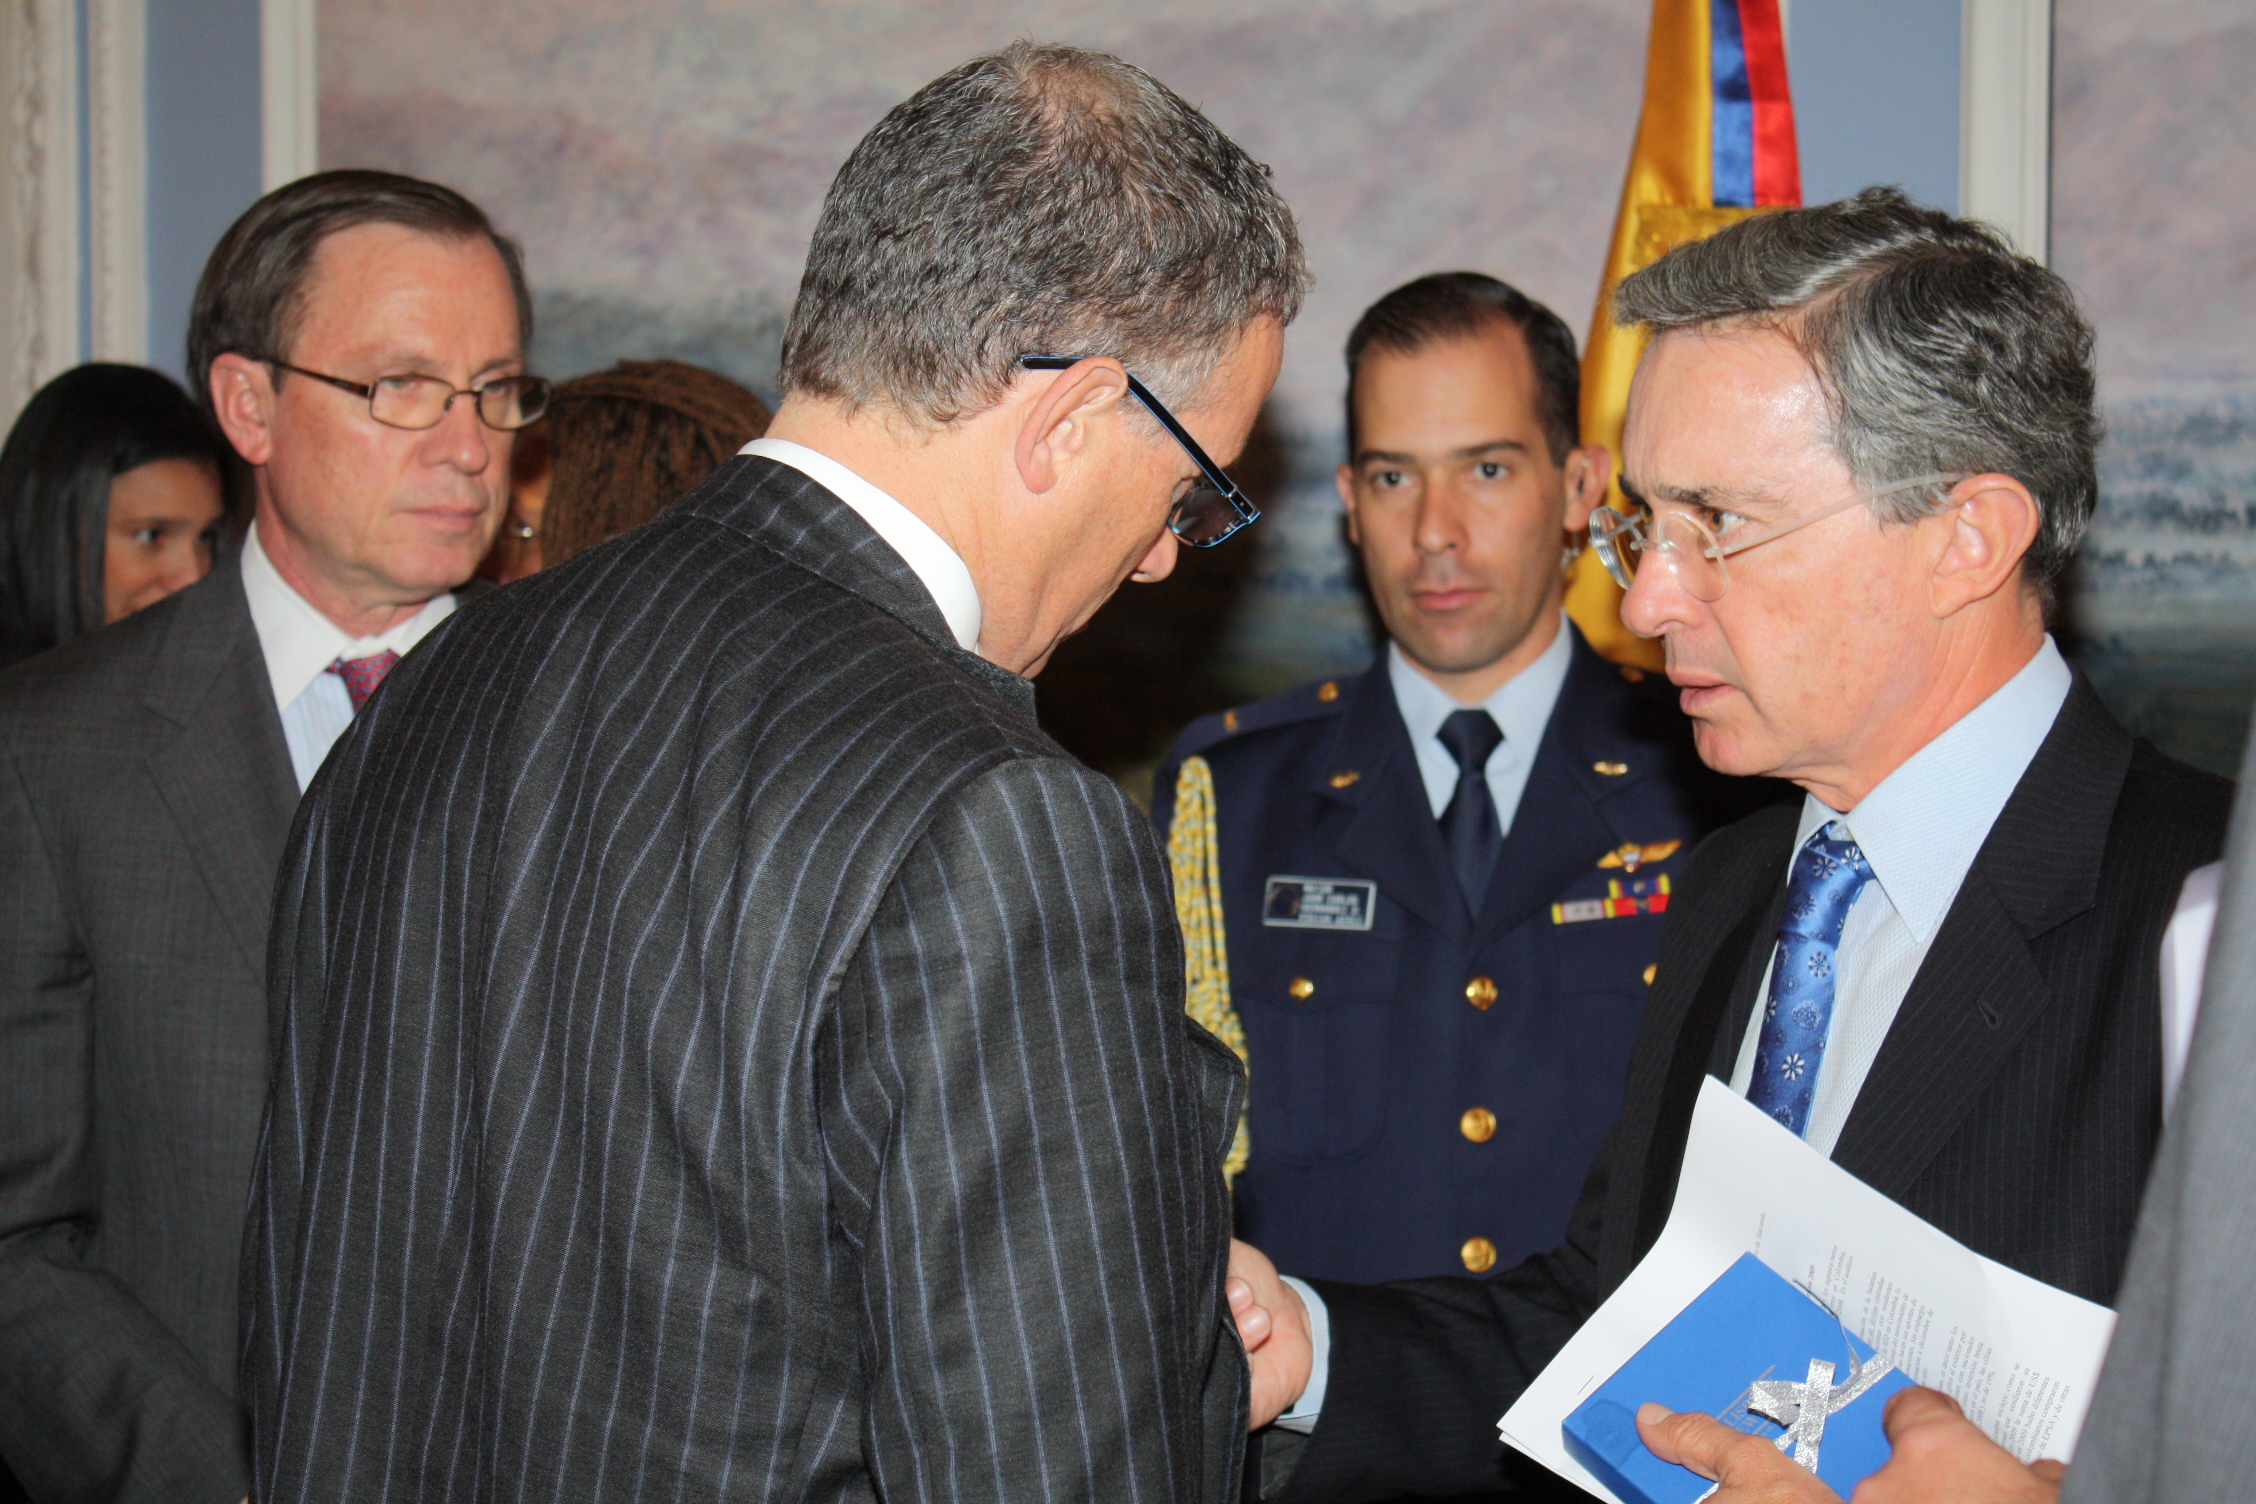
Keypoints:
pixel 145 792
pixel 2015 1104
pixel 1359 1167
pixel 724 1048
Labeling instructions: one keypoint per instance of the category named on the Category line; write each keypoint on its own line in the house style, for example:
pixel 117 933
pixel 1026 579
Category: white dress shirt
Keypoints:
pixel 299 644
pixel 1521 707
pixel 940 568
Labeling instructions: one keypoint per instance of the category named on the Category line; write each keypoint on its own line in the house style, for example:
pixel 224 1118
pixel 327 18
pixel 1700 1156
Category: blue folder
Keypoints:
pixel 1750 1325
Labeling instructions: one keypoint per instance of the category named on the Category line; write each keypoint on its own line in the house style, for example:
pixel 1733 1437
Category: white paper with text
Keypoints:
pixel 2020 1356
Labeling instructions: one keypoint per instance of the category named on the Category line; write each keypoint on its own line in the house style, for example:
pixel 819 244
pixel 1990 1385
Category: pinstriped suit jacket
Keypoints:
pixel 723 1049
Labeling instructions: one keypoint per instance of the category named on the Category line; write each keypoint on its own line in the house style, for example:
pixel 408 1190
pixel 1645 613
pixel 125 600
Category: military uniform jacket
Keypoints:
pixel 1386 1026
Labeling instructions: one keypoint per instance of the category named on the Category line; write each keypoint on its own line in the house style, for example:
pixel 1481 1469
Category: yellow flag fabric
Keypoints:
pixel 1669 197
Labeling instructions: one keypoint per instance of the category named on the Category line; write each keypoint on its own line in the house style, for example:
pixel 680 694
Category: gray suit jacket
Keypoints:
pixel 725 1049
pixel 145 793
pixel 2174 1420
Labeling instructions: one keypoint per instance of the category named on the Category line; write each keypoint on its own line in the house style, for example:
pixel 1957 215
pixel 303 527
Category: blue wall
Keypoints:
pixel 204 150
pixel 1876 96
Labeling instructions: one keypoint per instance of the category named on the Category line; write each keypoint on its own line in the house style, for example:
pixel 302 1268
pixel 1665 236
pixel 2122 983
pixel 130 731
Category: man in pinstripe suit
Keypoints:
pixel 720 1042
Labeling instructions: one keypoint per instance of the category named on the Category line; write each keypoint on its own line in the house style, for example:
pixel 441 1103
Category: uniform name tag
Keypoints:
pixel 1319 903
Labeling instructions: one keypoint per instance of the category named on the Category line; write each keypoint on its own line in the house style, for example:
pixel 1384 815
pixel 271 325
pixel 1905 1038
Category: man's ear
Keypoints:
pixel 1588 470
pixel 1993 519
pixel 1055 430
pixel 1345 479
pixel 243 396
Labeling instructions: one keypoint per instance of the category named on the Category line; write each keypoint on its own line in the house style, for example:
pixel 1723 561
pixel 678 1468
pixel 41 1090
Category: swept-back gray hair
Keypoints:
pixel 1040 200
pixel 1939 349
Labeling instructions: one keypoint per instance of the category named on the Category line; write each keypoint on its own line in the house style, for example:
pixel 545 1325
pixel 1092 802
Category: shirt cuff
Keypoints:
pixel 1303 1415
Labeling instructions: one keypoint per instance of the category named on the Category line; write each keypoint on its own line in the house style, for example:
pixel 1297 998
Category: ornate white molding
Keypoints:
pixel 39 335
pixel 289 91
pixel 117 262
pixel 2005 118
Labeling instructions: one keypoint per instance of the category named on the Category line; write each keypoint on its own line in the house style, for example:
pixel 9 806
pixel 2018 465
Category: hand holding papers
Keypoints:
pixel 2018 1355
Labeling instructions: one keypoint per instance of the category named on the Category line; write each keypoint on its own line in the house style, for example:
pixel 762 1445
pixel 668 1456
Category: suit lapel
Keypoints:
pixel 1979 989
pixel 1701 989
pixel 1390 835
pixel 225 776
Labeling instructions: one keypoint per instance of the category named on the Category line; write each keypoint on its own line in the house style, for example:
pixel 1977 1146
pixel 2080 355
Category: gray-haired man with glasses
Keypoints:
pixel 1860 455
pixel 786 1092
pixel 148 774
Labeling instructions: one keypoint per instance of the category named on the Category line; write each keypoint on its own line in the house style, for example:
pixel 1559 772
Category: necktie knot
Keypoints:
pixel 1471 736
pixel 362 675
pixel 1828 875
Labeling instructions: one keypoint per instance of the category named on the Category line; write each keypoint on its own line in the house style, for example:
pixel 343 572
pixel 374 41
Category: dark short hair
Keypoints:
pixel 625 442
pixel 1939 349
pixel 78 433
pixel 1458 305
pixel 1038 200
pixel 251 297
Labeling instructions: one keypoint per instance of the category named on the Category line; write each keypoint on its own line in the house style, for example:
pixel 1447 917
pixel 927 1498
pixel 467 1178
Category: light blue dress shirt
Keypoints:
pixel 1521 707
pixel 1920 829
pixel 299 643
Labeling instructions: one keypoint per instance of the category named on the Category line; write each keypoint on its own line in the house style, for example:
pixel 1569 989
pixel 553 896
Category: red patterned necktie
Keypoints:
pixel 362 675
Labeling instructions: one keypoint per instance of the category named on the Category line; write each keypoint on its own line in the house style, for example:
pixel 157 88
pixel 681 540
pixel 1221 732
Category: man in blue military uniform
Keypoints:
pixel 1425 902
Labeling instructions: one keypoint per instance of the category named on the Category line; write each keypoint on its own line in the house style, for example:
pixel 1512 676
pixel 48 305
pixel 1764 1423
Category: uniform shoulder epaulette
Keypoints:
pixel 1308 702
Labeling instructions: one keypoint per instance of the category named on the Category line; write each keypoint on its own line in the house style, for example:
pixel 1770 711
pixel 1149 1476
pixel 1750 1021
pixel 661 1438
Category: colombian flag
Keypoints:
pixel 1715 143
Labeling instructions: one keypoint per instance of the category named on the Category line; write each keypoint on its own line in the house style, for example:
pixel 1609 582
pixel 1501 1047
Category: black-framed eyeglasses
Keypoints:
pixel 419 402
pixel 1205 514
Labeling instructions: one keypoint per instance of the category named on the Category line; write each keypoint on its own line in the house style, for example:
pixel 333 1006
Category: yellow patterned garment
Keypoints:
pixel 1194 853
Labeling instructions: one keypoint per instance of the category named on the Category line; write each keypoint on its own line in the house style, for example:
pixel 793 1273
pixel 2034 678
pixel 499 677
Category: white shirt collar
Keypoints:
pixel 1521 705
pixel 298 642
pixel 1923 825
pixel 937 566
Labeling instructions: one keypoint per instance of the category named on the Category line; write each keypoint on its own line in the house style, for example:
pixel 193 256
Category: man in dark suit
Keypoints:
pixel 147 779
pixel 718 1031
pixel 1861 444
pixel 1441 883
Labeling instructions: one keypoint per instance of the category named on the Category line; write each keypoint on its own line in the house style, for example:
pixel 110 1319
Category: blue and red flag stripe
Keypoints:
pixel 1752 115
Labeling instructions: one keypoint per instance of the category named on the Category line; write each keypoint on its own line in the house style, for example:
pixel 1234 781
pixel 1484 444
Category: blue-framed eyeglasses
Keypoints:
pixel 1208 512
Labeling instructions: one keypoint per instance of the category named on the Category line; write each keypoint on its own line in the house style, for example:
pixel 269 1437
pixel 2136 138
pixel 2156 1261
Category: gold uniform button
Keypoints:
pixel 1478 1124
pixel 1481 993
pixel 1479 1255
pixel 1656 966
pixel 1328 691
pixel 1302 988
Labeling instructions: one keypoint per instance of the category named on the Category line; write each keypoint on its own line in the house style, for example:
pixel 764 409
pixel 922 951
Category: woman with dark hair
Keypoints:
pixel 111 498
pixel 615 449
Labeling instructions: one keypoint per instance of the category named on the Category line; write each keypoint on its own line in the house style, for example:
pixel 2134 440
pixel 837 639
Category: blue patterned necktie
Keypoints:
pixel 1828 876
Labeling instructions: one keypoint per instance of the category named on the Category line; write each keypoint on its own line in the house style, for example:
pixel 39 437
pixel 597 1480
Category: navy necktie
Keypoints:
pixel 1828 875
pixel 1469 826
